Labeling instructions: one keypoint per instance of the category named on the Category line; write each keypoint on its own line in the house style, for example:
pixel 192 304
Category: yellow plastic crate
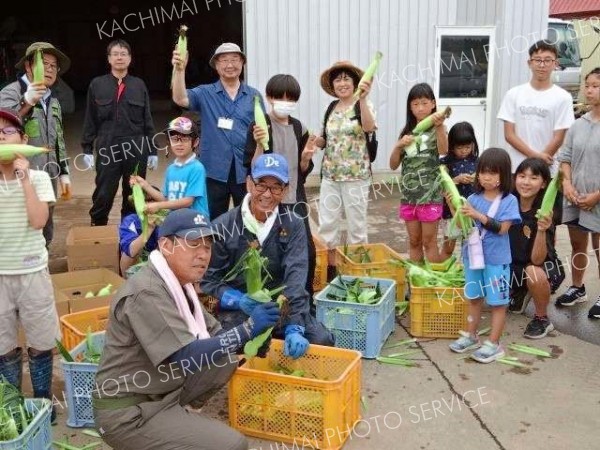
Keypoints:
pixel 317 412
pixel 439 312
pixel 380 266
pixel 74 327
pixel 320 279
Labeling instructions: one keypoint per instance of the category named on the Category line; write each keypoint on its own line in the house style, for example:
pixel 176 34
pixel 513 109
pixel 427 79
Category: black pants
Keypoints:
pixel 219 193
pixel 111 167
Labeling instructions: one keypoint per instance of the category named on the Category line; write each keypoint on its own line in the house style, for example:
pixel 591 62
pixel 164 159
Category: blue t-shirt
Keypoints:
pixel 222 146
pixel 187 180
pixel 130 229
pixel 496 247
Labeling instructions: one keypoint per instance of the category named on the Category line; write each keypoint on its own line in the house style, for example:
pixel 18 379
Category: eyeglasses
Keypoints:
pixel 9 131
pixel 117 54
pixel 276 189
pixel 542 62
pixel 233 61
pixel 180 138
pixel 51 66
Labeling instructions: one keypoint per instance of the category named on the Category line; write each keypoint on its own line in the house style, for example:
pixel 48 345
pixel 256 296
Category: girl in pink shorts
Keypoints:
pixel 420 204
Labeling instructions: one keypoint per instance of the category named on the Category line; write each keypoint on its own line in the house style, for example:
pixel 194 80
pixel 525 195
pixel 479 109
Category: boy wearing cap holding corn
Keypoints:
pixel 26 293
pixel 185 179
pixel 226 109
pixel 42 117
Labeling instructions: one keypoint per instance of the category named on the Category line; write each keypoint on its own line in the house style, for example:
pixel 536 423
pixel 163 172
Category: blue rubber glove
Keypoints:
pixel 264 316
pixel 295 342
pixel 233 299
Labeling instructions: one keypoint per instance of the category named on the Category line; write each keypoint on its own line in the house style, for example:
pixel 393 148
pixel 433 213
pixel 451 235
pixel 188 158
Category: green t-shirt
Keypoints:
pixel 419 172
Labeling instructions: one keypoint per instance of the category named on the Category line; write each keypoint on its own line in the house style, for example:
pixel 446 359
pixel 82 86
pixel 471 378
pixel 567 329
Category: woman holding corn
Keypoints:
pixel 346 167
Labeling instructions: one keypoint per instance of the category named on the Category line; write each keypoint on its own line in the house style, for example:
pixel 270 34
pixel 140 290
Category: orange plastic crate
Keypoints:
pixel 316 411
pixel 74 327
pixel 439 312
pixel 379 267
pixel 320 280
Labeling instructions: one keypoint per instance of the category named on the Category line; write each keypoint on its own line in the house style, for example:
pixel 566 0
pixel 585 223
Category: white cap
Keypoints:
pixel 227 47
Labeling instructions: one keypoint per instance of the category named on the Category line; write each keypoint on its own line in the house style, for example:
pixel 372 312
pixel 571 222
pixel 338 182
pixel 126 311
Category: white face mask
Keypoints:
pixel 282 108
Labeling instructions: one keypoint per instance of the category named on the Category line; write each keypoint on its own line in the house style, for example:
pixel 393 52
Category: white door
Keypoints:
pixel 464 65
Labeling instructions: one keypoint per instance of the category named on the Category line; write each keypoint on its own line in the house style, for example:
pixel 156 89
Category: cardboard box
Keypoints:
pixel 71 287
pixel 93 247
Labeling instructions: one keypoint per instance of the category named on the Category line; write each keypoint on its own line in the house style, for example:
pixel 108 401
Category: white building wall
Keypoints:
pixel 304 37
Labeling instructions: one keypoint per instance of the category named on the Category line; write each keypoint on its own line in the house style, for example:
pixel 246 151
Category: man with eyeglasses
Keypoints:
pixel 538 113
pixel 42 117
pixel 118 125
pixel 226 109
pixel 261 220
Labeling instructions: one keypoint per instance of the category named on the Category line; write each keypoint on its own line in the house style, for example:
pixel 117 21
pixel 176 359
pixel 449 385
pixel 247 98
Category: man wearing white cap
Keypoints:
pixel 226 109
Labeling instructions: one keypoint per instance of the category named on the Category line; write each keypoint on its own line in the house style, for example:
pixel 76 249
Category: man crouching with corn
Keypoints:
pixel 164 351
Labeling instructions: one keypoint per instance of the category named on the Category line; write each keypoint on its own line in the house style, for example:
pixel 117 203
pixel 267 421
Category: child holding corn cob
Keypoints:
pixel 290 138
pixel 494 210
pixel 185 179
pixel 25 286
pixel 421 201
pixel 536 270
pixel 132 242
pixel 579 159
pixel 460 161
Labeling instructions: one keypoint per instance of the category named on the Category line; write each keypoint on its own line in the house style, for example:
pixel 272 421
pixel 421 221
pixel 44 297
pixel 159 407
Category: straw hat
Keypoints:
pixel 343 65
pixel 63 61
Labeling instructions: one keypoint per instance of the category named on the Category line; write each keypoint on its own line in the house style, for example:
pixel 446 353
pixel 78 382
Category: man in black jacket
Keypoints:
pixel 118 124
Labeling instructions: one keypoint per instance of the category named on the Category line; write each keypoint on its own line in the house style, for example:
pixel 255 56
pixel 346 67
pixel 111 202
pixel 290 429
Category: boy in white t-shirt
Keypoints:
pixel 26 293
pixel 537 114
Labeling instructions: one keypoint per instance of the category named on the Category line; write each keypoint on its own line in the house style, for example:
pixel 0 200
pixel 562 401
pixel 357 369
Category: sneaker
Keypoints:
pixel 594 312
pixel 572 295
pixel 519 301
pixel 465 343
pixel 538 328
pixel 488 352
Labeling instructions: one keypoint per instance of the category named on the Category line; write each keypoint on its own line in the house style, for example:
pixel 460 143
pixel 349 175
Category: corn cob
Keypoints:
pixel 9 152
pixel 38 67
pixel 369 73
pixel 261 121
pixel 426 124
pixel 465 223
pixel 549 198
pixel 181 46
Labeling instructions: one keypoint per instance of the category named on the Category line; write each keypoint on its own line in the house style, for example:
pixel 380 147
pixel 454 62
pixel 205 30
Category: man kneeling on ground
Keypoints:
pixel 163 351
pixel 261 220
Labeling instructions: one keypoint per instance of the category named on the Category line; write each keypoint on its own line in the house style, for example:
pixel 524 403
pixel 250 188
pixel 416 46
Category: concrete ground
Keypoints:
pixel 446 402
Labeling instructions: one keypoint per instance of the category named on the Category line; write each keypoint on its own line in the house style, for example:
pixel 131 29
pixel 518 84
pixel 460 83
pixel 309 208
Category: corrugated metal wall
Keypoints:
pixel 304 37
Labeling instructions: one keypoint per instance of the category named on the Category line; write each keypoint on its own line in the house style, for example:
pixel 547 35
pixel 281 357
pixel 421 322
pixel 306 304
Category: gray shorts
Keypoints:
pixel 28 299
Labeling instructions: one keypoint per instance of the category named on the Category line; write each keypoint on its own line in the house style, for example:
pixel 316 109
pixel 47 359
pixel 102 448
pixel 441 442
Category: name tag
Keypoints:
pixel 224 123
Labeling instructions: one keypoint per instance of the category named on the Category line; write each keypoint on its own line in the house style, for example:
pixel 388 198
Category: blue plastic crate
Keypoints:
pixel 38 434
pixel 80 381
pixel 356 326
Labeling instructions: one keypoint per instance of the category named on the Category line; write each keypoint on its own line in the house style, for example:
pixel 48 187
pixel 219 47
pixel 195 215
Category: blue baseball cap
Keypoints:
pixel 271 165
pixel 187 223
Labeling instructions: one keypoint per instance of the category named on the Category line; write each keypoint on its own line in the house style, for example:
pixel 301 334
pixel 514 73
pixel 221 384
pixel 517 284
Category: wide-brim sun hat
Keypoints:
pixel 63 60
pixel 327 85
